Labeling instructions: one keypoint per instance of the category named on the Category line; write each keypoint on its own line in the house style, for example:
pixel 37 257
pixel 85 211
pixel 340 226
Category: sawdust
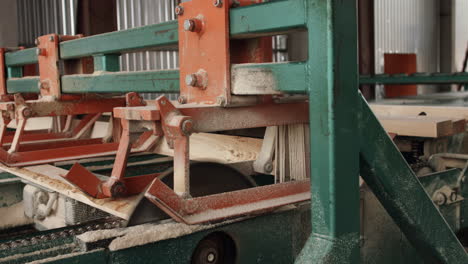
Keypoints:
pixel 141 234
pixel 13 216
pixel 12 258
pixel 253 81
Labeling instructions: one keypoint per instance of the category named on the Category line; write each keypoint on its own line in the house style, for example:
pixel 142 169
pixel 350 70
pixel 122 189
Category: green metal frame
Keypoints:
pixel 346 138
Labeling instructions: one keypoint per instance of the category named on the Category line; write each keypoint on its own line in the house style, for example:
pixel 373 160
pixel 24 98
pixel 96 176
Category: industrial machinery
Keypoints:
pixel 188 181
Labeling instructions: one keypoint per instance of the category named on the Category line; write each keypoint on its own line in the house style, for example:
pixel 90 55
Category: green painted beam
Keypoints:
pixel 244 21
pixel 23 85
pixel 398 189
pixel 267 18
pixel 420 78
pixel 164 81
pixel 15 72
pixel 109 62
pixel 152 36
pixel 287 77
pixel 21 57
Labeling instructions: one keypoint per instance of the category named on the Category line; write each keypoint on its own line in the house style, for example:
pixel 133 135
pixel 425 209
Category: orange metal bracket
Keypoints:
pixel 204 53
pixel 225 205
pixel 48 58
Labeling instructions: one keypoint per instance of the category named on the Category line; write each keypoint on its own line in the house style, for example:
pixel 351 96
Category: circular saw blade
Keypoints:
pixel 205 179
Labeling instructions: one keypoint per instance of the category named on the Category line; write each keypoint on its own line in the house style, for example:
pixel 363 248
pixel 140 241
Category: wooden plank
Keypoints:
pixel 453 112
pixel 459 125
pixel 217 148
pixel 417 126
pixel 50 177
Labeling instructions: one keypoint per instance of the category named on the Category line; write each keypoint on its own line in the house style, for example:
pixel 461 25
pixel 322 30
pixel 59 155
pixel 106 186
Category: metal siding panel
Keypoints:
pixel 408 26
pixel 460 39
pixel 136 13
pixel 41 17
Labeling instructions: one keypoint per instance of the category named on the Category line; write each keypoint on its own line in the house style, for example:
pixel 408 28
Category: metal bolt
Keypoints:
pixel 187 126
pixel 40 52
pixel 440 198
pixel 191 80
pixel 218 3
pixel 182 99
pixel 189 25
pixel 179 10
pixel 268 167
pixel 210 257
pixel 118 189
pixel 51 38
pixel 27 112
pixel 453 196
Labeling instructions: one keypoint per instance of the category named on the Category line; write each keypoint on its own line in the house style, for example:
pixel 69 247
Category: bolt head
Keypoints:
pixel 218 3
pixel 187 127
pixel 51 38
pixel 191 79
pixel 189 25
pixel 118 189
pixel 440 199
pixel 27 112
pixel 182 100
pixel 453 196
pixel 179 10
pixel 268 167
pixel 211 257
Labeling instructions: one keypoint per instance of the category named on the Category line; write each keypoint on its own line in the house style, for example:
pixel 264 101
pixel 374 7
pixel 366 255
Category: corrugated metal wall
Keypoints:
pixel 408 26
pixel 460 17
pixel 41 17
pixel 137 13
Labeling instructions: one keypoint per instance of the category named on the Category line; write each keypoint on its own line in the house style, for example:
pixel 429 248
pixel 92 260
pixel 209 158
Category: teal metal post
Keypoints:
pixel 108 62
pixel 333 94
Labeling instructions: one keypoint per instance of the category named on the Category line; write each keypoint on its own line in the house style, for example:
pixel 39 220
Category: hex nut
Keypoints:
pixel 268 167
pixel 189 25
pixel 218 3
pixel 191 80
pixel 453 196
pixel 440 198
pixel 187 127
pixel 182 99
pixel 179 10
pixel 27 112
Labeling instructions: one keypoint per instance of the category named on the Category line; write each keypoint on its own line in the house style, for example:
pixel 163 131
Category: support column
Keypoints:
pixel 333 94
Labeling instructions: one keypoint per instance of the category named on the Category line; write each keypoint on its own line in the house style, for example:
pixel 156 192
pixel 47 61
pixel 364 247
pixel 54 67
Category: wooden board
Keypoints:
pixel 50 177
pixel 217 148
pixel 452 112
pixel 417 126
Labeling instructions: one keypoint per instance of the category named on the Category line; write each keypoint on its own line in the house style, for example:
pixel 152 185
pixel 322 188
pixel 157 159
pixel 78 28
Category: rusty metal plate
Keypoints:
pixel 204 52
